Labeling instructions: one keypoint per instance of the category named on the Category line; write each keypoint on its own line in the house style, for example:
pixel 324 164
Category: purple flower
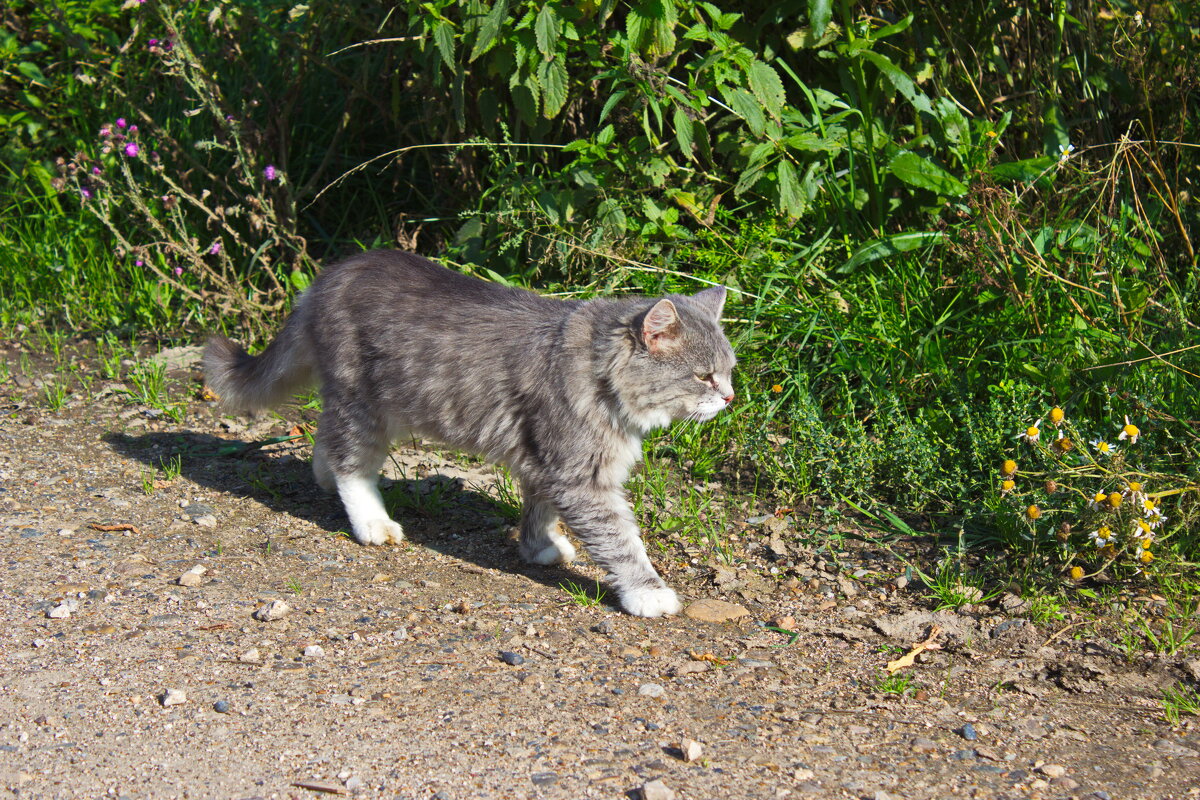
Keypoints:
pixel 216 248
pixel 178 271
pixel 105 131
pixel 269 172
pixel 139 263
pixel 132 130
pixel 96 170
pixel 152 42
pixel 121 122
pixel 85 193
pixel 131 149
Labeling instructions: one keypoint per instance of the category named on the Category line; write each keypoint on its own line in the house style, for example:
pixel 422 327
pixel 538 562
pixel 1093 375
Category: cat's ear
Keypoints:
pixel 711 301
pixel 661 330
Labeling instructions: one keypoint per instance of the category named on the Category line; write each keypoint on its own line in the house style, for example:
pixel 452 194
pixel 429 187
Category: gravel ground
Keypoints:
pixel 214 634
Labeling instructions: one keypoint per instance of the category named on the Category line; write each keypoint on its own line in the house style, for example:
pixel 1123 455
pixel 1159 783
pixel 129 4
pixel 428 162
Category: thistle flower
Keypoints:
pixel 216 248
pixel 121 122
pixel 131 149
pixel 178 271
pixel 1129 431
pixel 269 173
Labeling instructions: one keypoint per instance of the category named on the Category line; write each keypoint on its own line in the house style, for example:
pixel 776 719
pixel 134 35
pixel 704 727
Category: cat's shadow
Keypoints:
pixel 437 512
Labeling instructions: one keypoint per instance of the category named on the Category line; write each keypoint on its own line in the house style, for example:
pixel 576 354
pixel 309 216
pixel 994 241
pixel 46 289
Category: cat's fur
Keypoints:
pixel 561 392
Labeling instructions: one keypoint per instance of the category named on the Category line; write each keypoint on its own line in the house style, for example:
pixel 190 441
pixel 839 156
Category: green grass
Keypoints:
pixel 1180 700
pixel 581 596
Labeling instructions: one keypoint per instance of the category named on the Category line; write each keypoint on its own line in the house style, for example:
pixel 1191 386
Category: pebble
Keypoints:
pixel 173 697
pixel 193 577
pixel 353 783
pixel 314 651
pixel 543 778
pixel 754 663
pixel 251 656
pixel 604 627
pixel 511 658
pixel 222 706
pixel 651 690
pixel 968 732
pixel 1052 770
pixel 61 611
pixel 691 749
pixel 1169 748
pixel 922 745
pixel 205 521
pixel 900 581
pixel 276 609
pixel 656 790
pixel 710 609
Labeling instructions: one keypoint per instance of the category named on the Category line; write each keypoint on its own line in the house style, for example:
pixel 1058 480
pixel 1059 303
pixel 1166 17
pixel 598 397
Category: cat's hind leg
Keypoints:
pixel 541 543
pixel 351 454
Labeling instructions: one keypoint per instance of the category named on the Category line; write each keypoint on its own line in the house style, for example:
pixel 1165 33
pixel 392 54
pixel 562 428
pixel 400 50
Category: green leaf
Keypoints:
pixel 525 95
pixel 791 198
pixel 683 132
pixel 897 78
pixel 886 246
pixel 807 142
pixel 553 77
pixel 893 29
pixel 547 29
pixel 489 29
pixel 300 279
pixel 1055 135
pixel 746 106
pixel 1025 171
pixel 651 27
pixel 611 218
pixel 819 13
pixel 611 103
pixel 443 37
pixel 919 171
pixel 767 87
pixel 33 72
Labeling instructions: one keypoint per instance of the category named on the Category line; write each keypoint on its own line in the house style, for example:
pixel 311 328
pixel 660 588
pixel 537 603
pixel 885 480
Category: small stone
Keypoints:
pixel 656 790
pixel 651 690
pixel 968 732
pixel 511 658
pixel 543 778
pixel 1052 770
pixel 784 623
pixel 205 521
pixel 709 609
pixel 276 609
pixel 1065 784
pixel 629 651
pixel 755 663
pixel 190 579
pixel 922 745
pixel 60 611
pixel 1169 748
pixel 251 656
pixel 222 706
pixel 691 749
pixel 354 783
pixel 603 627
pixel 173 697
pixel 381 577
pixel 900 581
pixel 314 651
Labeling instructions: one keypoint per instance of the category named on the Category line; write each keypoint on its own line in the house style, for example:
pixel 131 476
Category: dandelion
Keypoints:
pixel 1076 573
pixel 269 173
pixel 1129 431
pixel 1057 415
pixel 991 134
pixel 1033 512
pixel 1103 448
pixel 131 149
pixel 1007 486
pixel 1064 152
pixel 1102 536
pixel 1009 467
pixel 1032 433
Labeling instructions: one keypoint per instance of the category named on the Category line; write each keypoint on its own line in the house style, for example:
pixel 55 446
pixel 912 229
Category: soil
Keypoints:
pixel 446 668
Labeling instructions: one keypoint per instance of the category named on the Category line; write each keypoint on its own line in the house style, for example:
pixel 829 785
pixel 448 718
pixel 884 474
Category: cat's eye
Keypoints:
pixel 706 377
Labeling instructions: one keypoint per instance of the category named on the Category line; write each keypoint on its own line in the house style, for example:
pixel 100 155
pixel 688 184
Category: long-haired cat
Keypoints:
pixel 561 392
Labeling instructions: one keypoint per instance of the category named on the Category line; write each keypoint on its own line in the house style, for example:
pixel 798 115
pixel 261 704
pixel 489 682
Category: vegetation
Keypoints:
pixel 942 222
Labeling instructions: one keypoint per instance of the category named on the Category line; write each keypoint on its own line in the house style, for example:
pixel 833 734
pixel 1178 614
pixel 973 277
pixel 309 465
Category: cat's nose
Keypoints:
pixel 728 398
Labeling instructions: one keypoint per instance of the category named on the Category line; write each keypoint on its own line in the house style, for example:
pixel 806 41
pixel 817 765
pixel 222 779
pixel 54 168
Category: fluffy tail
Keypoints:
pixel 254 383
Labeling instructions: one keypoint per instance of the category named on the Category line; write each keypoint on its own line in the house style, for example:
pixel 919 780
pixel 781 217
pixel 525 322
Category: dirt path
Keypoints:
pixel 387 676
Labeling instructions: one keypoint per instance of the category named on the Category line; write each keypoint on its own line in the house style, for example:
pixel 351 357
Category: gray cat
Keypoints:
pixel 561 392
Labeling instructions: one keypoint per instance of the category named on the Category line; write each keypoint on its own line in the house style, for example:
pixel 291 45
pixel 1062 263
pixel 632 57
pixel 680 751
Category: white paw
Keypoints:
pixel 651 602
pixel 559 551
pixel 379 531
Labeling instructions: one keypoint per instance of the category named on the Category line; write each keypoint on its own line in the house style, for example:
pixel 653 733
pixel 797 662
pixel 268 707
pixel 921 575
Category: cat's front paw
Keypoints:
pixel 558 551
pixel 379 531
pixel 651 602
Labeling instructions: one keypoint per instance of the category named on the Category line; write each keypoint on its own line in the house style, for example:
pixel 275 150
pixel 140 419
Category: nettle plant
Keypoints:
pixel 1083 496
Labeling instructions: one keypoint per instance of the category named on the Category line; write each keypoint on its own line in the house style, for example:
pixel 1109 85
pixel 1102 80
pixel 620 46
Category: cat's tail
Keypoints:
pixel 253 383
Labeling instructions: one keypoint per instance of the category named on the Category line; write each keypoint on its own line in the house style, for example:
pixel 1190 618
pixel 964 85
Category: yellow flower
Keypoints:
pixel 1103 448
pixel 1142 528
pixel 1007 486
pixel 1032 433
pixel 1033 512
pixel 1062 444
pixel 1102 536
pixel 1009 467
pixel 1114 499
pixel 1129 431
pixel 1057 415
pixel 1099 499
pixel 1145 556
pixel 991 134
pixel 1076 573
pixel 777 388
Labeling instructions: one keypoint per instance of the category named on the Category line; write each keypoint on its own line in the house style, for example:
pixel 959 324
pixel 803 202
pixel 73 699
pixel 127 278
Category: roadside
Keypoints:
pixel 448 669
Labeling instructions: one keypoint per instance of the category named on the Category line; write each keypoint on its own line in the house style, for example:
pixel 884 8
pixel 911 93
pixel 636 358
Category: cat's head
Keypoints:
pixel 681 364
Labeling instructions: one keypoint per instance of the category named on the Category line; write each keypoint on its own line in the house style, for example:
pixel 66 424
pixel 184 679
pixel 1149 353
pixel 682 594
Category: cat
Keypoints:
pixel 560 391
